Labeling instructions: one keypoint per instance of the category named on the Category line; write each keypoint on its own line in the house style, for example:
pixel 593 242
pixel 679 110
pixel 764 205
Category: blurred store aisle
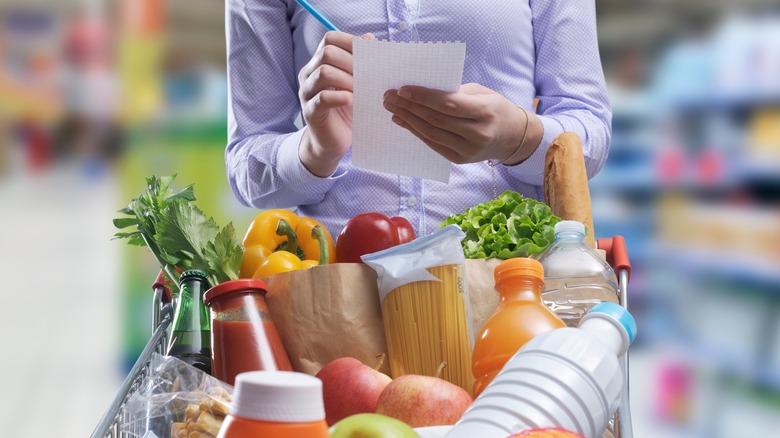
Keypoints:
pixel 60 328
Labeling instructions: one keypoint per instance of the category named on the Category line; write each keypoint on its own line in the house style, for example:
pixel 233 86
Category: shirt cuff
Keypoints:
pixel 292 173
pixel 531 170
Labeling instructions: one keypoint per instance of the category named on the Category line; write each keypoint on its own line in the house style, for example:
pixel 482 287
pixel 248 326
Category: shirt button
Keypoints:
pixel 403 25
pixel 412 201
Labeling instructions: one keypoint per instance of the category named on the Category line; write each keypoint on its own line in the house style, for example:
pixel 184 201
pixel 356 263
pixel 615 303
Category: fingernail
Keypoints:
pixel 405 93
pixel 390 106
pixel 391 96
pixel 397 120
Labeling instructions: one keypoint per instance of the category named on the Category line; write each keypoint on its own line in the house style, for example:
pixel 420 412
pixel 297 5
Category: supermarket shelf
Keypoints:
pixel 738 267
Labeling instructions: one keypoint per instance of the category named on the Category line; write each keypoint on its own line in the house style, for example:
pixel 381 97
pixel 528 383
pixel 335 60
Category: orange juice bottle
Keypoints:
pixel 276 404
pixel 521 315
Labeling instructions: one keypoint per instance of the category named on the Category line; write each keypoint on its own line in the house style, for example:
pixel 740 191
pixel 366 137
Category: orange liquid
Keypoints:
pixel 238 427
pixel 520 316
pixel 237 347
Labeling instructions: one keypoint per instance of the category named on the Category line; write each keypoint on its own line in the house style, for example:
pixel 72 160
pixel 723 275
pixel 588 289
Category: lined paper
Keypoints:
pixel 379 144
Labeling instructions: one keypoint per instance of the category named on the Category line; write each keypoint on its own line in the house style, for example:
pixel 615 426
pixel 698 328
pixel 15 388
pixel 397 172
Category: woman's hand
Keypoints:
pixel 472 124
pixel 325 94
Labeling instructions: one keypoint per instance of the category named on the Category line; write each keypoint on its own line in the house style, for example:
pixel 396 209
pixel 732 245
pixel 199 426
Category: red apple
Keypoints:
pixel 422 401
pixel 350 387
pixel 548 432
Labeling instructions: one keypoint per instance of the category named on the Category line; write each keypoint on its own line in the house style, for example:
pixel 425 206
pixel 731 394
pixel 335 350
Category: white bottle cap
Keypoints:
pixel 278 396
pixel 570 226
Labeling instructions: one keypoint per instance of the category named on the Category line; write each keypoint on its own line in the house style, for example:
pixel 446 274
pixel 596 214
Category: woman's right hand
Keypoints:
pixel 325 94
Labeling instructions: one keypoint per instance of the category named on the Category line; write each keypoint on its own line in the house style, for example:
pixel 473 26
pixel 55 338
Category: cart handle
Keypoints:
pixel 162 282
pixel 617 255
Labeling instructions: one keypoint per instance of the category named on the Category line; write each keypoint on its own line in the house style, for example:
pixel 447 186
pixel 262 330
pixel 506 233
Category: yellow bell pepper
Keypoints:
pixel 267 255
pixel 262 231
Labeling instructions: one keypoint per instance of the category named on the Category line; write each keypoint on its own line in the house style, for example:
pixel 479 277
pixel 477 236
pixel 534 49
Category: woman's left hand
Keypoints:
pixel 472 124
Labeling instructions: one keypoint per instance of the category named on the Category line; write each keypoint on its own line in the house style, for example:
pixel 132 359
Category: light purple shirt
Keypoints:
pixel 546 49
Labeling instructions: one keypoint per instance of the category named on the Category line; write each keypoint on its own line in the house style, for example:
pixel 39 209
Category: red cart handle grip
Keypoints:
pixel 617 255
pixel 164 283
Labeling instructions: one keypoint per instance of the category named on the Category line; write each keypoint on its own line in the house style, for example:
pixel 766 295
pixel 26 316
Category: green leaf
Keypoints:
pixel 125 222
pixel 505 227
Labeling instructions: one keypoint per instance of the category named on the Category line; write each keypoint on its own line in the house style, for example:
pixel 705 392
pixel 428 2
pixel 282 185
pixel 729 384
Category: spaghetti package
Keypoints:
pixel 425 307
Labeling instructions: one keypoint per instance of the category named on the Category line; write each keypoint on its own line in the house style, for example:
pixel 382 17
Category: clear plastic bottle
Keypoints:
pixel 276 404
pixel 569 377
pixel 520 316
pixel 576 277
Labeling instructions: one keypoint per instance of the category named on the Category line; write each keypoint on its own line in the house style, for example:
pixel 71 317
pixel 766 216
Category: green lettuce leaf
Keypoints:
pixel 508 226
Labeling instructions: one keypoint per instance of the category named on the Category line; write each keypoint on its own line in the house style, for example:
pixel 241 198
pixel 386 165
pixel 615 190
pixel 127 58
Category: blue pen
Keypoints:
pixel 325 22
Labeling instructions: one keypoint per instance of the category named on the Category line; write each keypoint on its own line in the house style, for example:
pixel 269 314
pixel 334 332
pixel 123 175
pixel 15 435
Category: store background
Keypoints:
pixel 96 95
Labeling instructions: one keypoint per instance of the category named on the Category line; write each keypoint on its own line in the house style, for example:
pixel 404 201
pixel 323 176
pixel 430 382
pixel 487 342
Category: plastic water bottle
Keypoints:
pixel 568 377
pixel 576 277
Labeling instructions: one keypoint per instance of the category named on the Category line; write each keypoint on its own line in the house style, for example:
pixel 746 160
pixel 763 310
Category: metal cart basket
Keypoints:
pixel 112 422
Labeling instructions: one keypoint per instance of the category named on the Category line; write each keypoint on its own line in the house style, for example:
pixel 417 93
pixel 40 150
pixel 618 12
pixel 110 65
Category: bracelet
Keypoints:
pixel 491 163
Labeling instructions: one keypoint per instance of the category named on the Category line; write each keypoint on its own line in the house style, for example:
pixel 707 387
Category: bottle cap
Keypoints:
pixel 278 396
pixel 190 273
pixel 619 314
pixel 519 266
pixel 569 226
pixel 230 286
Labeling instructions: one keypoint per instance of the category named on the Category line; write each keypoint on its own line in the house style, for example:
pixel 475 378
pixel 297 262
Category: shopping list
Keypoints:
pixel 378 144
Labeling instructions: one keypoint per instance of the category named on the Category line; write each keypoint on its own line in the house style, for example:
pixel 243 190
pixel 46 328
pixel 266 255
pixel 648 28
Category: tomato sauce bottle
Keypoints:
pixel 243 335
pixel 521 315
pixel 276 404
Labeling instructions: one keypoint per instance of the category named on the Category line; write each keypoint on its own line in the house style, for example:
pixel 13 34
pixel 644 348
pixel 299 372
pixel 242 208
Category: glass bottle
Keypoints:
pixel 191 332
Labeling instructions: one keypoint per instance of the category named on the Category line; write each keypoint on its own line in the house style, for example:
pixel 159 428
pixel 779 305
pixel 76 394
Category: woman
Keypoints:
pixel 282 64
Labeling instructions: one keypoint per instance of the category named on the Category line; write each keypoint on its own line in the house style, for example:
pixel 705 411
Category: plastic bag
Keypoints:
pixel 176 400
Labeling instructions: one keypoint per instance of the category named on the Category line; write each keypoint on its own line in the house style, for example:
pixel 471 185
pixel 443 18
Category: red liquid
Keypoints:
pixel 237 347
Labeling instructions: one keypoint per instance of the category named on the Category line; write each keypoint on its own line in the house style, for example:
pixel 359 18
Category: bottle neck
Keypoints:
pixel 521 288
pixel 191 313
pixel 609 332
pixel 569 235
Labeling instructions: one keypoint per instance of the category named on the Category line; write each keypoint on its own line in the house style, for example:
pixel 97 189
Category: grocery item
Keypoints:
pixel 270 262
pixel 423 401
pixel 566 182
pixel 262 231
pixel 371 232
pixel 576 277
pixel 350 387
pixel 280 241
pixel 425 307
pixel 569 377
pixel 276 404
pixel 508 226
pixel 178 234
pixel 371 426
pixel 520 316
pixel 547 432
pixel 244 337
pixel 205 418
pixel 191 330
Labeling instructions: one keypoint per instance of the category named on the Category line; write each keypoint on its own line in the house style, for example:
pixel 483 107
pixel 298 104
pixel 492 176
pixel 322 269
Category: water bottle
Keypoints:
pixel 568 377
pixel 576 277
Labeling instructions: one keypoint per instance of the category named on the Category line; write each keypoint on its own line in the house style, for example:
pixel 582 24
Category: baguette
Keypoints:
pixel 566 183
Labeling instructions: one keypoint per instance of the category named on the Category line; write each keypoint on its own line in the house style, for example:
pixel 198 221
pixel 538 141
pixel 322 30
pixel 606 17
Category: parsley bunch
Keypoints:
pixel 178 233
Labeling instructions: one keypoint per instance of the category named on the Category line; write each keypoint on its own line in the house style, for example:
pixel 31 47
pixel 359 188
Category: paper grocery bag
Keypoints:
pixel 328 312
pixel 333 311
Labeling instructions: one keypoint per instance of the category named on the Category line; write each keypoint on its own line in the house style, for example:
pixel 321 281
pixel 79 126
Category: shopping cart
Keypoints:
pixel 113 424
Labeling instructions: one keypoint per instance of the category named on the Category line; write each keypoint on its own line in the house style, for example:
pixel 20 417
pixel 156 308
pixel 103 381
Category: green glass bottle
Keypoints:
pixel 191 333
